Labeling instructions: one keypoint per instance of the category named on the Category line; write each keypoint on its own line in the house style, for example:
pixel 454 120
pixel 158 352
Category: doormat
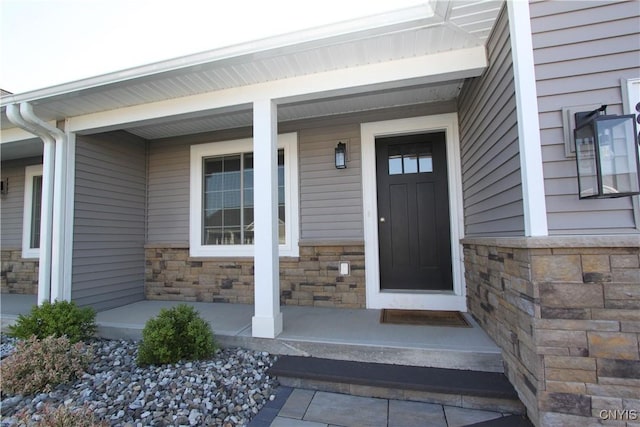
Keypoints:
pixel 424 317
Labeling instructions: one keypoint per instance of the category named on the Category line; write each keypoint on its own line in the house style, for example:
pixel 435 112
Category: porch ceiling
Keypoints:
pixel 427 29
pixel 303 110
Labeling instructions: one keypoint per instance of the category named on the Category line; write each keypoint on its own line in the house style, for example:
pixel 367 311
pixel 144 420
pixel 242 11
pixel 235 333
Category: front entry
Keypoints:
pixel 413 213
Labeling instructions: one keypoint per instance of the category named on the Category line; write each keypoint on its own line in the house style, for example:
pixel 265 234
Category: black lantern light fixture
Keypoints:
pixel 341 155
pixel 606 155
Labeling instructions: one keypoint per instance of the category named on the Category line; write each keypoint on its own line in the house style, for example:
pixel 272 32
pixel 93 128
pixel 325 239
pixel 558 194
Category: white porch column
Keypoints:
pixel 58 221
pixel 267 321
pixel 533 197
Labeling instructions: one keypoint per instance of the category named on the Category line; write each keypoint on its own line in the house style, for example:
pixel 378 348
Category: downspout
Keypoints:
pixel 59 196
pixel 46 213
pixel 50 276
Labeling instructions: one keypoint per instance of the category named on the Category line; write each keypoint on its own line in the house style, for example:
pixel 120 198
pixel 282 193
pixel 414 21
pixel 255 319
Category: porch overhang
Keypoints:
pixel 429 69
pixel 428 44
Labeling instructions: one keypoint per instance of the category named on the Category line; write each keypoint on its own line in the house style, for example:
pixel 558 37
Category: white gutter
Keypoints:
pixel 49 283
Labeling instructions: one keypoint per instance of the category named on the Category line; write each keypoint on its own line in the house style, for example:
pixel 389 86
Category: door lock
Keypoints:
pixel 382 219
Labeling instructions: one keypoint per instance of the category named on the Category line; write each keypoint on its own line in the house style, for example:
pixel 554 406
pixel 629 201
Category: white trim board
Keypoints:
pixel 533 197
pixel 456 300
pixel 631 97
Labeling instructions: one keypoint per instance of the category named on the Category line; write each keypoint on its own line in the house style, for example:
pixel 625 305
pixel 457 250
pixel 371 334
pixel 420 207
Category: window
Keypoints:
pixel 32 209
pixel 228 199
pixel 409 159
pixel 222 198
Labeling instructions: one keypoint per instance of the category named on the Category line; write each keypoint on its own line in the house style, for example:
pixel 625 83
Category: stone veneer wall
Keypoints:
pixel 312 279
pixel 17 275
pixel 566 313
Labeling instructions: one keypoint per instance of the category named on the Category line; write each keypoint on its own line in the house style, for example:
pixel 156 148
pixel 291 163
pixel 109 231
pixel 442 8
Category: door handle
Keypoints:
pixel 382 219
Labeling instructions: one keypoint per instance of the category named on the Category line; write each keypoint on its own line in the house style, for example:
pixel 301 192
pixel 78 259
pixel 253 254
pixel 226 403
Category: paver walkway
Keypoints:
pixel 310 408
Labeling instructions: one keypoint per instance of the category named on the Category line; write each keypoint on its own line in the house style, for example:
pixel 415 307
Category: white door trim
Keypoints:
pixel 431 300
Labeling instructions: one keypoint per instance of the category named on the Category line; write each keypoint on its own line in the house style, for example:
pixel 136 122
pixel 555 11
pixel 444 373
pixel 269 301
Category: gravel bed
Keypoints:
pixel 227 390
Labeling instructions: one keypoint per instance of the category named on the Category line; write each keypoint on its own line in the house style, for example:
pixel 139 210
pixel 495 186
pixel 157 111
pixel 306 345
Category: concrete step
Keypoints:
pixel 489 360
pixel 466 389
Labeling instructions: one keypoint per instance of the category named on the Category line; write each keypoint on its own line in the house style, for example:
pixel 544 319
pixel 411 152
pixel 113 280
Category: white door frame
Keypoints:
pixel 424 300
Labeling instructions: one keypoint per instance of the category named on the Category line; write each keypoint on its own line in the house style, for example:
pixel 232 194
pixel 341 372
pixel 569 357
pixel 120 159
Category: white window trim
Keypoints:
pixel 376 298
pixel 288 142
pixel 29 173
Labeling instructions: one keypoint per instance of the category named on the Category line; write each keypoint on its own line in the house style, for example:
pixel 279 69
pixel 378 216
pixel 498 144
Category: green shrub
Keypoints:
pixel 176 334
pixel 62 416
pixel 57 319
pixel 38 365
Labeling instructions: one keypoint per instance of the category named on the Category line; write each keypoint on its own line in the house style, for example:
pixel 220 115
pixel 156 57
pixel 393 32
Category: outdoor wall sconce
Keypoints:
pixel 341 155
pixel 4 186
pixel 606 155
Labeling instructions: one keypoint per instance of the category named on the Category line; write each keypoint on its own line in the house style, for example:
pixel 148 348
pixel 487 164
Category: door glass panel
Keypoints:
pixel 410 162
pixel 395 165
pixel 425 163
pixel 395 160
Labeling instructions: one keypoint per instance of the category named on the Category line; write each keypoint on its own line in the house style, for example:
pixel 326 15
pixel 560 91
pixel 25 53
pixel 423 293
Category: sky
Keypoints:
pixel 48 42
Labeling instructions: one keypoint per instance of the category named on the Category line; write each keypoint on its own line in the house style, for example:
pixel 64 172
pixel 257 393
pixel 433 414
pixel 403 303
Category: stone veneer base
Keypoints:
pixel 18 275
pixel 312 279
pixel 566 313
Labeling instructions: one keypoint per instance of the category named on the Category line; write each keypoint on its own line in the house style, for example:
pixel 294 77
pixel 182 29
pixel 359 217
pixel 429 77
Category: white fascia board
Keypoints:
pixel 17 134
pixel 434 68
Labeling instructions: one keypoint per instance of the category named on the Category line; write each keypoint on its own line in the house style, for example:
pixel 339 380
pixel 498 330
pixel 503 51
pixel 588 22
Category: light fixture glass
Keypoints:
pixel 606 155
pixel 341 155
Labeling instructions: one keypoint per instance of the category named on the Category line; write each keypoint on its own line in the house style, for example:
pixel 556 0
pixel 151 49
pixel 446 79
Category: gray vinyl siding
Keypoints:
pixel 491 180
pixel 169 175
pixel 12 203
pixel 330 199
pixel 109 220
pixel 168 205
pixel 582 50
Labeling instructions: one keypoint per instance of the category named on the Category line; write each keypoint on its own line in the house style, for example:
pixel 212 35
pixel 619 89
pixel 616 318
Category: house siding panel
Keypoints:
pixel 582 50
pixel 12 203
pixel 109 220
pixel 491 180
pixel 331 208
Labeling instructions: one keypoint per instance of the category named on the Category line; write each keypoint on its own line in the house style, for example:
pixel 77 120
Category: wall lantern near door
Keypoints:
pixel 606 155
pixel 341 155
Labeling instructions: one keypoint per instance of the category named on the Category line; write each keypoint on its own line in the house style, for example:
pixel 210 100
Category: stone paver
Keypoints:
pixel 346 410
pixel 297 404
pixel 291 422
pixel 459 417
pixel 411 414
pixel 310 408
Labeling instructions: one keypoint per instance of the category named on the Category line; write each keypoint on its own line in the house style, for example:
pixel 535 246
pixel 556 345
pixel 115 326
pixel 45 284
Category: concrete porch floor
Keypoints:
pixel 345 334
